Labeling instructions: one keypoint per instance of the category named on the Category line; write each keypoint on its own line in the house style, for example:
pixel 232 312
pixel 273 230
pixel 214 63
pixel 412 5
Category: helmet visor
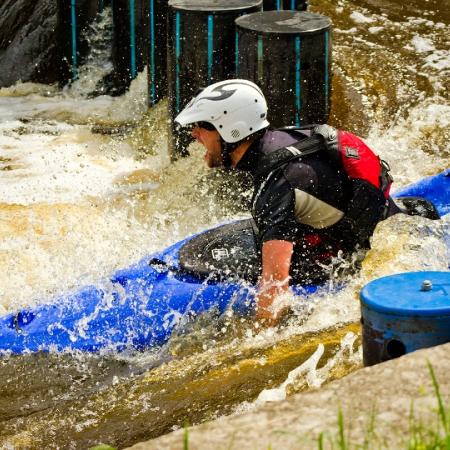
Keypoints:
pixel 206 125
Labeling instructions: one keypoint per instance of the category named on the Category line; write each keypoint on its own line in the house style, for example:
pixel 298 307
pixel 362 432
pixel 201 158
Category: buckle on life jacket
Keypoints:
pixel 385 177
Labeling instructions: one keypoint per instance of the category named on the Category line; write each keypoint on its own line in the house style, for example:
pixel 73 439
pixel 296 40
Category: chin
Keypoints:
pixel 210 160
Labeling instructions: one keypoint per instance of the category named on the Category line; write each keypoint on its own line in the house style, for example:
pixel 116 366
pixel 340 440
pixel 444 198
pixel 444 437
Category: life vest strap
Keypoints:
pixel 280 157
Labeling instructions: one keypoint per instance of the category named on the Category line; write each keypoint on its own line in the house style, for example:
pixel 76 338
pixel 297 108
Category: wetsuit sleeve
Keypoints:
pixel 273 210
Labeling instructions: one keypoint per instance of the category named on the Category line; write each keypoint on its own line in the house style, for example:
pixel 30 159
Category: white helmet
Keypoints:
pixel 236 108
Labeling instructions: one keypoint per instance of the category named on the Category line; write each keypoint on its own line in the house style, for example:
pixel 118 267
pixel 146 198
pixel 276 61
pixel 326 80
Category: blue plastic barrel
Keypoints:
pixel 404 312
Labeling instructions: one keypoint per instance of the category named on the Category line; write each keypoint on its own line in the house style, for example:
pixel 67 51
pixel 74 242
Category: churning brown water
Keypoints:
pixel 86 187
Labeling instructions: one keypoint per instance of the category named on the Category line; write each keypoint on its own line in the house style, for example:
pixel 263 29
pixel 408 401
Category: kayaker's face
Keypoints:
pixel 210 139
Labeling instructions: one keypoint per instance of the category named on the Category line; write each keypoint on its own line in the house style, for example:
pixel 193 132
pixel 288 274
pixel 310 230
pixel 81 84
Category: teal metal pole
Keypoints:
pixel 152 62
pixel 133 39
pixel 73 16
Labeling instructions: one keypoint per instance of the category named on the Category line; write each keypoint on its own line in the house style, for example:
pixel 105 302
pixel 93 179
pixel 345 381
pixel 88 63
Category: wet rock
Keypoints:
pixel 36 39
pixel 27 41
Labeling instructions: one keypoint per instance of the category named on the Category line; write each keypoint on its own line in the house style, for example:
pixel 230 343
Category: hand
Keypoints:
pixel 272 304
pixel 267 318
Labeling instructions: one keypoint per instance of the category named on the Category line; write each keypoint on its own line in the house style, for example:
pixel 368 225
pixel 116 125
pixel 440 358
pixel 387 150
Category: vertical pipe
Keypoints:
pixel 236 51
pixel 152 46
pixel 296 5
pixel 73 17
pixel 260 53
pixel 326 69
pixel 210 46
pixel 133 69
pixel 297 80
pixel 155 46
pixel 177 60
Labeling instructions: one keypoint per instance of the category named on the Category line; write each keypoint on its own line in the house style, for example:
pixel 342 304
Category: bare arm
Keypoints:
pixel 276 261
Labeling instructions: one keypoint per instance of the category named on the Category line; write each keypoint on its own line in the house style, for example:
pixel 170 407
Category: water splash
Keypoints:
pixel 415 145
pixel 98 36
pixel 307 369
pixel 310 374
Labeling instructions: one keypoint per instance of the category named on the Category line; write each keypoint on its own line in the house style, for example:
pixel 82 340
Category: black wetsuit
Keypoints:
pixel 302 202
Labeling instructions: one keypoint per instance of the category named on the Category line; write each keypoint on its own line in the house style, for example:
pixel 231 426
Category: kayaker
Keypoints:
pixel 307 209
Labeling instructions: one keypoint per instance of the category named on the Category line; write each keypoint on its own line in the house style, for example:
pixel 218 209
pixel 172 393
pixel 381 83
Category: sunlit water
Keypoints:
pixel 86 187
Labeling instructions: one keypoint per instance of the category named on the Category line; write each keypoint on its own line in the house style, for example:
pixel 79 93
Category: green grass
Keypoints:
pixel 425 438
pixel 422 436
pixel 186 436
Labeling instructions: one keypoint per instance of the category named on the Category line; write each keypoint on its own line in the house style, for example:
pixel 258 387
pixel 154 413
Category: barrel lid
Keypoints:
pixel 214 6
pixel 288 22
pixel 411 293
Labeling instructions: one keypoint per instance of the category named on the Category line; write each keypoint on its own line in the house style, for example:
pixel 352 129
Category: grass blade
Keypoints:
pixel 442 413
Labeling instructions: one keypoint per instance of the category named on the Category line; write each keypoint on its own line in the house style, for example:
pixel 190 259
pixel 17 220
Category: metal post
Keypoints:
pixel 156 13
pixel 130 41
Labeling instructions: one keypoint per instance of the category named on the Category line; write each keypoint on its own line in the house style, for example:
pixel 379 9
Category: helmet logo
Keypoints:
pixel 228 93
pixel 224 94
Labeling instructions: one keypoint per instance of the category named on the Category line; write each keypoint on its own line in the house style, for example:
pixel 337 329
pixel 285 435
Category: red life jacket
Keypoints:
pixel 360 162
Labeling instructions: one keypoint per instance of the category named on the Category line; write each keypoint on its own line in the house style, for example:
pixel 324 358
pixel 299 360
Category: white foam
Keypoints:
pixel 35 101
pixel 57 169
pixel 438 60
pixel 408 145
pixel 352 30
pixel 357 17
pixel 375 30
pixel 422 44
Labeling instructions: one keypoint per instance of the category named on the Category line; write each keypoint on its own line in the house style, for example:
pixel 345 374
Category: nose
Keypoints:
pixel 195 133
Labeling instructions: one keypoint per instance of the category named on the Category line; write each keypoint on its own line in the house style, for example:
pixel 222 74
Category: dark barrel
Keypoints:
pixel 278 5
pixel 130 41
pixel 296 5
pixel 404 312
pixel 288 54
pixel 273 5
pixel 73 17
pixel 156 13
pixel 201 50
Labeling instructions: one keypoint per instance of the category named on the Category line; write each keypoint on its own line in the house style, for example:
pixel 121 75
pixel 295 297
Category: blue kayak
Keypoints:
pixel 141 306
